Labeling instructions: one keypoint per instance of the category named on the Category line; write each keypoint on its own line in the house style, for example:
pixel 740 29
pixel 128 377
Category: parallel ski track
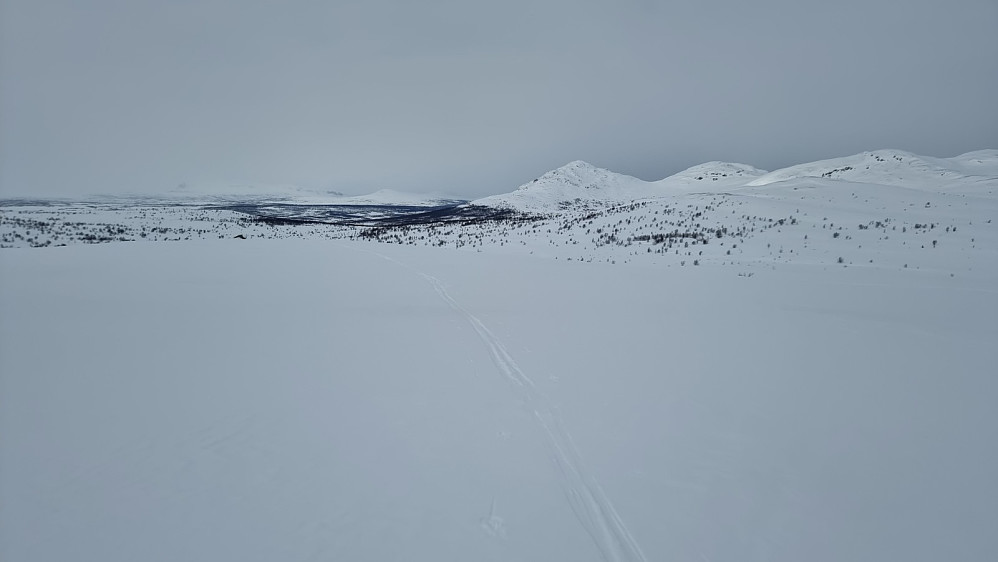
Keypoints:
pixel 592 508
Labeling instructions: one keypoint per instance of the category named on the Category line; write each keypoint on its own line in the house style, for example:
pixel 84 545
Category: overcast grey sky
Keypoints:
pixel 476 97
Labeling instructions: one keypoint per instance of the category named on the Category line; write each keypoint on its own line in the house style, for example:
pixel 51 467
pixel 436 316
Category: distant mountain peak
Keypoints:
pixel 577 172
pixel 578 164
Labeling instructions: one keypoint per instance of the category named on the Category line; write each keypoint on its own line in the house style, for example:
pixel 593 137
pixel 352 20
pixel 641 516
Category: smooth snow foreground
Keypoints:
pixel 324 400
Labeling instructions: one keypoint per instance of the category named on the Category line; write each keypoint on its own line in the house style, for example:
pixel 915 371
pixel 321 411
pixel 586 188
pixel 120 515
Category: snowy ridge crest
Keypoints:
pixel 893 167
pixel 726 173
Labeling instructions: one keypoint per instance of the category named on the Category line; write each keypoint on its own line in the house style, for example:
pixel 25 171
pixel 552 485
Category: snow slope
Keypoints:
pixel 712 176
pixel 577 182
pixel 293 400
pixel 895 167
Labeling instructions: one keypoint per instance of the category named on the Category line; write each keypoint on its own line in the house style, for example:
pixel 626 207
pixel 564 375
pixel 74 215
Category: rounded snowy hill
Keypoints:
pixel 713 175
pixel 894 167
pixel 580 183
pixel 574 183
pixel 978 162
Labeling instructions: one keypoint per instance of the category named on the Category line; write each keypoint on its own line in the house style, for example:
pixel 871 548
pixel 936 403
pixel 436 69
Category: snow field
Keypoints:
pixel 347 400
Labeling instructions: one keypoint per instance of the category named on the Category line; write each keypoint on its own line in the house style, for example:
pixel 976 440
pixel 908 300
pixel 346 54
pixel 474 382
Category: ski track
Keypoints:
pixel 591 506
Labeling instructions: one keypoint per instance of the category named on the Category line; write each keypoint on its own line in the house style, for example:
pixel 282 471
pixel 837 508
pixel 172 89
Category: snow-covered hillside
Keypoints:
pixel 712 176
pixel 574 183
pixel 580 184
pixel 896 167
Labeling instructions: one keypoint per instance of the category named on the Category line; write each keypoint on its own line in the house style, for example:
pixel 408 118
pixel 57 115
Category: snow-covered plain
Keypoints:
pixel 695 375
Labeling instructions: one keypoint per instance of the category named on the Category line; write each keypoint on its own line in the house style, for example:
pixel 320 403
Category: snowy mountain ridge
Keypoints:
pixel 580 183
pixel 894 167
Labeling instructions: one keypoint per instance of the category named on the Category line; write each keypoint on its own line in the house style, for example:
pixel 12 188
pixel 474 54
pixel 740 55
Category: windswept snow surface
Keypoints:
pixel 292 400
pixel 741 368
